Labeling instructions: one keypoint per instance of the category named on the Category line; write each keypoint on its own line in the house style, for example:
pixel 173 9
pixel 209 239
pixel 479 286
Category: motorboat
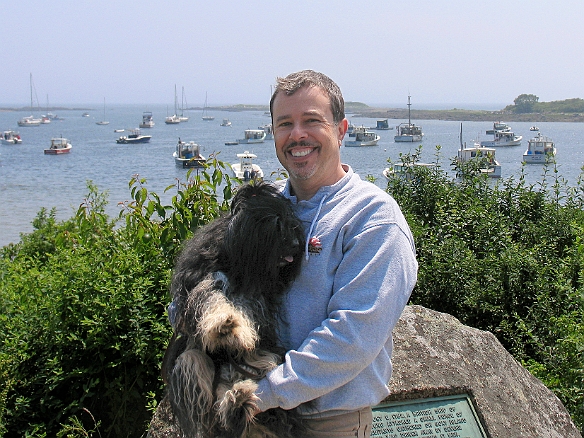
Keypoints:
pixel 404 170
pixel 408 132
pixel 11 137
pixel 363 138
pixel 383 125
pixel 135 137
pixel 246 169
pixel 59 146
pixel 534 128
pixel 502 138
pixel 268 130
pixel 540 149
pixel 188 155
pixel 485 156
pixel 226 122
pixel 29 121
pixel 85 115
pixel 252 136
pixel 498 127
pixel 147 120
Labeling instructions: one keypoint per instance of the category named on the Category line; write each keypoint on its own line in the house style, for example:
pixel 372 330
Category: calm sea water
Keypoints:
pixel 30 180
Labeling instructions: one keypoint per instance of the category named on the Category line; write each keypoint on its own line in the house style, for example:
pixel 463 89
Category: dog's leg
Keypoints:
pixel 235 406
pixel 190 389
pixel 222 325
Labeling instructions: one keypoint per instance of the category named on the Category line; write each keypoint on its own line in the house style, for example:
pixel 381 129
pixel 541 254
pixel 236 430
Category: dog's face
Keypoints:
pixel 264 237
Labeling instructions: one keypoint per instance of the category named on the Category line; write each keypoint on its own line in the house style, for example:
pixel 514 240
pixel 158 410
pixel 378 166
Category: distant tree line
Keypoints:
pixel 529 103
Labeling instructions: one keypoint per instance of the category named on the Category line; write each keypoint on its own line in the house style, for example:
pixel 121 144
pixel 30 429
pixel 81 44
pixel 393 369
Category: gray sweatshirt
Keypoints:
pixel 357 276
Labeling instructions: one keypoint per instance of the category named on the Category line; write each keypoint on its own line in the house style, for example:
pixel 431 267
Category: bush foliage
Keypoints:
pixel 84 301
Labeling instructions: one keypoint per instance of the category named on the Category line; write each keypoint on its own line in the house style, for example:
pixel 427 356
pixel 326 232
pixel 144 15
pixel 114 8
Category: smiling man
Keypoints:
pixel 358 271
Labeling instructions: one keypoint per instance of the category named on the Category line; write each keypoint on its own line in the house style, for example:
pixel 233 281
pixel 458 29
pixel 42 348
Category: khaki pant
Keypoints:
pixel 354 424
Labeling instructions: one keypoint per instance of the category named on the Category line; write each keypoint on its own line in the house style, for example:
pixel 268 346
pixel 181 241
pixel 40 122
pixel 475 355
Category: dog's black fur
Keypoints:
pixel 227 289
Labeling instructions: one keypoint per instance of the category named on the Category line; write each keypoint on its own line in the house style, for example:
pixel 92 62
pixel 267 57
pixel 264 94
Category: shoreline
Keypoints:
pixel 455 114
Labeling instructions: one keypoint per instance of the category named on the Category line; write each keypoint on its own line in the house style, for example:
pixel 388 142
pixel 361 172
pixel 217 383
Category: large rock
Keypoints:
pixel 436 355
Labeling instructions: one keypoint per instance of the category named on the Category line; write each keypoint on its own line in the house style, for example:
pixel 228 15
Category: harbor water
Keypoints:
pixel 30 180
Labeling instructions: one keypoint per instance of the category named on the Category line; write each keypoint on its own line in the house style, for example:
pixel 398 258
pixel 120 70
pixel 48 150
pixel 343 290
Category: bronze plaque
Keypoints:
pixel 450 416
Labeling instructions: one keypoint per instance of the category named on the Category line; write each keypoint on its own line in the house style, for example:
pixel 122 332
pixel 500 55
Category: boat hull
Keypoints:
pixel 493 143
pixel 407 138
pixel 142 139
pixel 57 151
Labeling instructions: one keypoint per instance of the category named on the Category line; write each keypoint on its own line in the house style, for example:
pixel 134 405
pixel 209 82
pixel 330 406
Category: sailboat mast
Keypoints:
pixel 409 111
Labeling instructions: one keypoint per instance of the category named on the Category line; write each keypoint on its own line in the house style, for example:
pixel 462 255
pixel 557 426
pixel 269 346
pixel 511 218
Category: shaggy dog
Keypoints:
pixel 227 288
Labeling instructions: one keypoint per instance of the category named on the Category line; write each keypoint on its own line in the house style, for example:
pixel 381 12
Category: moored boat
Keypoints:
pixel 383 125
pixel 11 137
pixel 246 169
pixel 268 130
pixel 135 137
pixel 485 156
pixel 404 170
pixel 540 149
pixel 253 136
pixel 188 155
pixel 363 138
pixel 29 121
pixel 408 132
pixel 502 138
pixel 147 120
pixel 59 145
pixel 226 122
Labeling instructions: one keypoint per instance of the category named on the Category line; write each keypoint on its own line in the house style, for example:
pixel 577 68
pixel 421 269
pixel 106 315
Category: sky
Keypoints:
pixel 444 53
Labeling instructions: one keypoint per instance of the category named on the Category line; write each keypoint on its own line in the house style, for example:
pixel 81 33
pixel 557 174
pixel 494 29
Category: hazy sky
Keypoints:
pixel 439 51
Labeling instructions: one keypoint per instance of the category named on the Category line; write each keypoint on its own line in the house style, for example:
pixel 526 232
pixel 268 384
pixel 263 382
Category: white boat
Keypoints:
pixel 11 137
pixel 147 121
pixel 246 169
pixel 268 130
pixel 408 132
pixel 174 119
pixel 188 155
pixel 135 137
pixel 363 138
pixel 485 156
pixel 252 136
pixel 498 127
pixel 540 149
pixel 59 146
pixel 85 115
pixel 206 116
pixel 103 121
pixel 534 128
pixel 502 138
pixel 404 170
pixel 226 122
pixel 182 116
pixel 29 121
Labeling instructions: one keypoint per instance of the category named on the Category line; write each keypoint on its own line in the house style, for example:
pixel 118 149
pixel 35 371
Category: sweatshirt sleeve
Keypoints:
pixel 371 287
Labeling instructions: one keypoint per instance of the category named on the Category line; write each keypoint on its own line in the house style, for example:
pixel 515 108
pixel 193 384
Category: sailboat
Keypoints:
pixel 103 121
pixel 174 119
pixel 29 120
pixel 182 117
pixel 205 115
pixel 408 131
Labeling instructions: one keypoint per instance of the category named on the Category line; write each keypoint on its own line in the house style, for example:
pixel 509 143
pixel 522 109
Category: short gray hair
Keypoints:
pixel 310 78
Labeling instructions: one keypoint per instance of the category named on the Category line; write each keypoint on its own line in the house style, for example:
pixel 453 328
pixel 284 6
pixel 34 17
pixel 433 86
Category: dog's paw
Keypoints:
pixel 236 407
pixel 224 326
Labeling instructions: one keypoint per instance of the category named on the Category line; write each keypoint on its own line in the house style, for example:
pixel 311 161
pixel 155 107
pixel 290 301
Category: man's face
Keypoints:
pixel 306 138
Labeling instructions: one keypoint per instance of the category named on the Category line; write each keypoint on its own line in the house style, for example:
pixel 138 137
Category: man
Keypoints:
pixel 358 273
